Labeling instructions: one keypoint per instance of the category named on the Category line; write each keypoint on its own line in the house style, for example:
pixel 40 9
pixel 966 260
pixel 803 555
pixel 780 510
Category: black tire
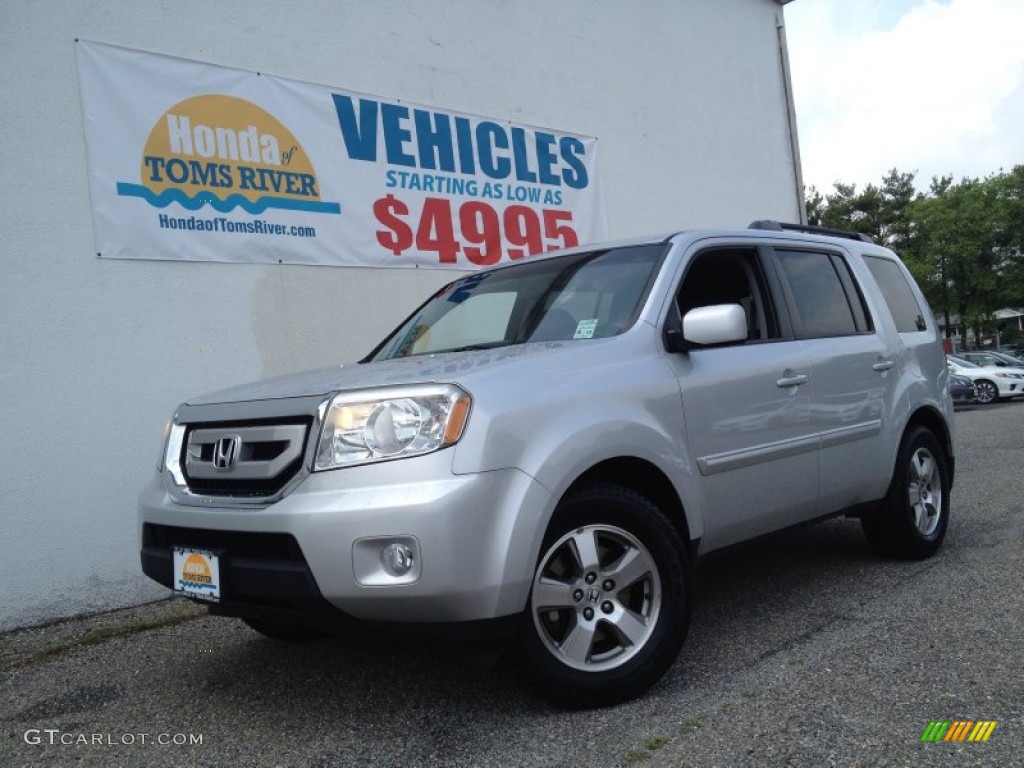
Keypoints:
pixel 911 521
pixel 285 631
pixel 598 642
pixel 987 391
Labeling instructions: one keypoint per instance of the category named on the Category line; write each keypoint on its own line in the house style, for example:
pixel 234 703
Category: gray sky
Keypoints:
pixel 933 86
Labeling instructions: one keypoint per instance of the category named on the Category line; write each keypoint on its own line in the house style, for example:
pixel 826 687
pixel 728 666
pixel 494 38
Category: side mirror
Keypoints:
pixel 717 324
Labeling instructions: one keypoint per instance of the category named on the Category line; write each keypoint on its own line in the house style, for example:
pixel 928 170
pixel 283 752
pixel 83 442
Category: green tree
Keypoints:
pixel 877 211
pixel 896 195
pixel 963 241
pixel 967 232
pixel 1007 190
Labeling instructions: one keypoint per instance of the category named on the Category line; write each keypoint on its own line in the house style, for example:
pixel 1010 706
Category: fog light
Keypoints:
pixel 397 559
pixel 387 561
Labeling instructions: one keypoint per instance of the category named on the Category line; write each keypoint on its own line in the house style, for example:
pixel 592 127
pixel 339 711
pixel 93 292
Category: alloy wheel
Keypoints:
pixel 596 598
pixel 987 392
pixel 924 492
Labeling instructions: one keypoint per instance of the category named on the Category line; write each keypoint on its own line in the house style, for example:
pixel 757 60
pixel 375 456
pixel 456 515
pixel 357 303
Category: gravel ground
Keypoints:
pixel 806 650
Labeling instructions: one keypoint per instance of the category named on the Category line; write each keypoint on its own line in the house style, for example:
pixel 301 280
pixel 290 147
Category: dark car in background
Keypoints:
pixel 962 390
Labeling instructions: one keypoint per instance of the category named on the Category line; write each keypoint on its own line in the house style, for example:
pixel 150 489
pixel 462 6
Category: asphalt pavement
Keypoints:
pixel 805 650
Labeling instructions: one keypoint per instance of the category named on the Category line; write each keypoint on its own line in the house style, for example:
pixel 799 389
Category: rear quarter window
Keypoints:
pixel 899 297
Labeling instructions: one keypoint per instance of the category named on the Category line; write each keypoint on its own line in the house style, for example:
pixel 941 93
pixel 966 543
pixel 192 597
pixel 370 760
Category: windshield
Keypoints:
pixel 962 363
pixel 581 296
pixel 1016 362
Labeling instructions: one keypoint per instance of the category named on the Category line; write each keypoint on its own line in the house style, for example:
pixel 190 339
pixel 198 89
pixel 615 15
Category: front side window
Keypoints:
pixel 730 276
pixel 582 296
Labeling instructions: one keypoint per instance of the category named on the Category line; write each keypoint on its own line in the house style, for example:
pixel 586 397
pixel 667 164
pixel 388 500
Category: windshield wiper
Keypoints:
pixel 469 347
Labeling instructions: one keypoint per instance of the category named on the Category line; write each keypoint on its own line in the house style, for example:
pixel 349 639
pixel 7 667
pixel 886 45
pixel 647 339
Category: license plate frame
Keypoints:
pixel 196 573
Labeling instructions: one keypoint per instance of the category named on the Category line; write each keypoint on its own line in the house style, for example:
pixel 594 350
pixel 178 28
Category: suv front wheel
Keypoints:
pixel 610 601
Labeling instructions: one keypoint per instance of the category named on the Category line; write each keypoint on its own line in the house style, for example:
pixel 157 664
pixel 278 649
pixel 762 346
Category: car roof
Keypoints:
pixel 695 235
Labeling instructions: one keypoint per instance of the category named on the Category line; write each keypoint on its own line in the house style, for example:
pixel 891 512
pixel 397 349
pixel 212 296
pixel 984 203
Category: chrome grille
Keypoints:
pixel 232 459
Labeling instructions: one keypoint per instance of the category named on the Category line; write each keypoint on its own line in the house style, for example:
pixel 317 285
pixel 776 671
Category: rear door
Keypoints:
pixel 853 363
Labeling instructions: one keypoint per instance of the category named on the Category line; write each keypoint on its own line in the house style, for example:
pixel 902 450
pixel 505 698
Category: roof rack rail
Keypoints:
pixel 778 226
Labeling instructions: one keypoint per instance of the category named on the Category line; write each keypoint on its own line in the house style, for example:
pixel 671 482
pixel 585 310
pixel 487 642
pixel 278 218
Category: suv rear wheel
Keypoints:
pixel 911 521
pixel 610 602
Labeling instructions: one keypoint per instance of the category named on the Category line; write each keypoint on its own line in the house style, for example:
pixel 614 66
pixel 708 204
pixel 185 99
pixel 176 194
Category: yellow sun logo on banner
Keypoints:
pixel 227 153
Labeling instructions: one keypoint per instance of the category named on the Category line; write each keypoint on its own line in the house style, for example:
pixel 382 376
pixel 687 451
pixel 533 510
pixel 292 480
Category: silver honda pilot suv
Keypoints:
pixel 542 451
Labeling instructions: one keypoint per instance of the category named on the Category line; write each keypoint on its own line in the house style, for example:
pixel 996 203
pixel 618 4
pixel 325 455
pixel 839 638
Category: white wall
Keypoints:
pixel 685 96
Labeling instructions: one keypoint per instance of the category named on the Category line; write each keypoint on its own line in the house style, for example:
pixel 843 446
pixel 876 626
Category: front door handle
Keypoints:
pixel 791 379
pixel 883 365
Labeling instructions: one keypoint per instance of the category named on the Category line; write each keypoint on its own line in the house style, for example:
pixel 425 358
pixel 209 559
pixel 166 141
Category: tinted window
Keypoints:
pixel 817 290
pixel 903 306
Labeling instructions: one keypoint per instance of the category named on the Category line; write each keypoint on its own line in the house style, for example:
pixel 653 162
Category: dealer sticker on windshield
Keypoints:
pixel 197 573
pixel 585 329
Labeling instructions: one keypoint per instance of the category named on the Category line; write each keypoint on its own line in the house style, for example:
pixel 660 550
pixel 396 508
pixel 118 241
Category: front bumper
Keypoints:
pixel 964 395
pixel 478 536
pixel 1009 387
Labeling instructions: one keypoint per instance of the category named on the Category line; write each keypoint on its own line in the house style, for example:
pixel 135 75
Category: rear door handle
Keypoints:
pixel 791 379
pixel 883 365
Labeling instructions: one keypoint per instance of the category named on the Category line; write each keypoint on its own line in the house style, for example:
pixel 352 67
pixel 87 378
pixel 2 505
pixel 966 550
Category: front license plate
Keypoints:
pixel 197 573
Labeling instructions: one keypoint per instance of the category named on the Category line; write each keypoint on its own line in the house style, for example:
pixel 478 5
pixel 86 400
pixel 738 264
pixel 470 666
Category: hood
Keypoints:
pixel 454 367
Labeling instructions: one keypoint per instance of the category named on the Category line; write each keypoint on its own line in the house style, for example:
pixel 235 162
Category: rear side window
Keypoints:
pixel 816 288
pixel 903 306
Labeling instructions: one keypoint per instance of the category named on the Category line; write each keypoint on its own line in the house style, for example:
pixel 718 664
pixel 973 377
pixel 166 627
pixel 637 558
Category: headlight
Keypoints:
pixel 392 423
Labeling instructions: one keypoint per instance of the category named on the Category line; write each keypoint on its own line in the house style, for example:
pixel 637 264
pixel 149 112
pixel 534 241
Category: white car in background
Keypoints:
pixel 990 382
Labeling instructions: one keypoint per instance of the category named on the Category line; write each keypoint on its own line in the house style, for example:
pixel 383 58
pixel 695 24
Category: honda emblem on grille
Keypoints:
pixel 225 452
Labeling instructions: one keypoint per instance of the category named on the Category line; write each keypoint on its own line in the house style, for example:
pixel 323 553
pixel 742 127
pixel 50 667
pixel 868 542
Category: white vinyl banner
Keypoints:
pixel 191 161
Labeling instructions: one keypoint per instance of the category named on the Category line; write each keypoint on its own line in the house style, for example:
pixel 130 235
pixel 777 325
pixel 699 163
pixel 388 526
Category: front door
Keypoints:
pixel 748 406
